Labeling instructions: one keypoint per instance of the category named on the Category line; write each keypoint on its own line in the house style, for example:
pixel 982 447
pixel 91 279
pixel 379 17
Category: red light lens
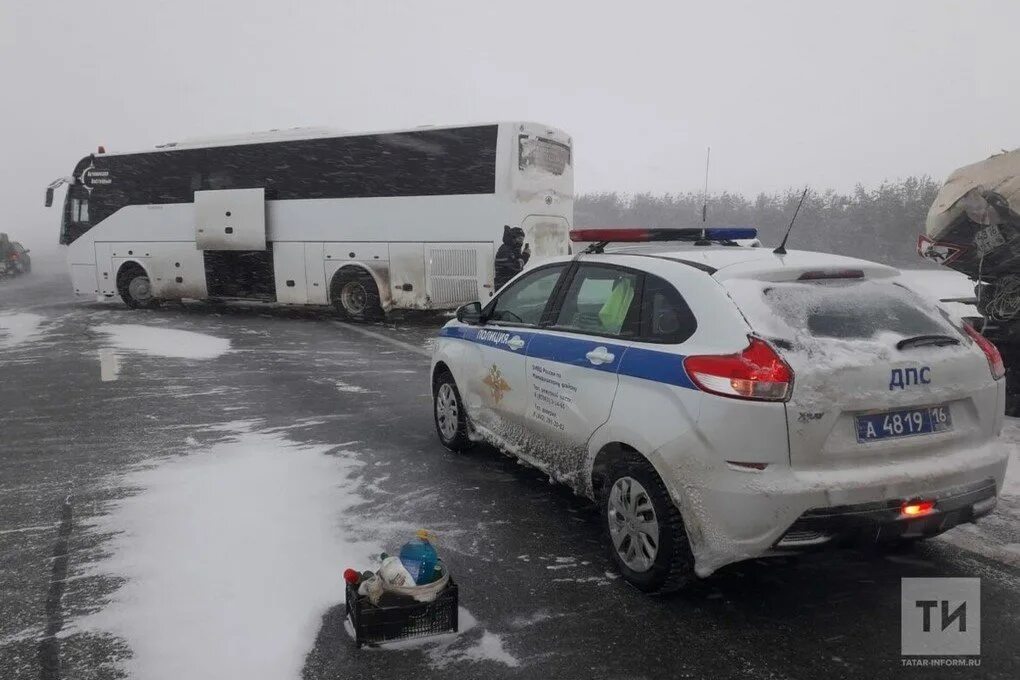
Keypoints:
pixel 351 576
pixel 616 234
pixel 995 364
pixel 917 508
pixel 824 274
pixel 757 372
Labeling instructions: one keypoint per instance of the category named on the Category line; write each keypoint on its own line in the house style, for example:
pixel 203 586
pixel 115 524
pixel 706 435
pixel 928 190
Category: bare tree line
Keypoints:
pixel 880 223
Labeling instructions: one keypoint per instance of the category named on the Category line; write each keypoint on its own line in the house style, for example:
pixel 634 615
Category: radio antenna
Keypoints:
pixel 703 241
pixel 704 204
pixel 781 250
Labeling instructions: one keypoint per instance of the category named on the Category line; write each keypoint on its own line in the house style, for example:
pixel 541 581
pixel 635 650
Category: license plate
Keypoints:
pixel 905 423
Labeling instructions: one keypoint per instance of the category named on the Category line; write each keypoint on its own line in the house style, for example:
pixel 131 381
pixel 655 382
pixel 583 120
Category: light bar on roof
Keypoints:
pixel 642 235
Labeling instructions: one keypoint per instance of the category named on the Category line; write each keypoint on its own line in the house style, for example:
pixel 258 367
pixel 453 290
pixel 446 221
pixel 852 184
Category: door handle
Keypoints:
pixel 515 343
pixel 599 356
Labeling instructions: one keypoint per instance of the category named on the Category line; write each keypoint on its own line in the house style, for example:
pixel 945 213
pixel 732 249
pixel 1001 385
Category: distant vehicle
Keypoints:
pixel 14 258
pixel 407 219
pixel 19 260
pixel 725 403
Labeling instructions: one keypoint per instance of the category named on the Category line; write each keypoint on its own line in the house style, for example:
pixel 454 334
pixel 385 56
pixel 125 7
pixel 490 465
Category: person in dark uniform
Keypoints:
pixel 511 258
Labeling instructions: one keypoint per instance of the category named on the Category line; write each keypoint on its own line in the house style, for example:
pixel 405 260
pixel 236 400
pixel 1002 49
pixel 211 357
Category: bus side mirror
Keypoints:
pixel 49 196
pixel 471 313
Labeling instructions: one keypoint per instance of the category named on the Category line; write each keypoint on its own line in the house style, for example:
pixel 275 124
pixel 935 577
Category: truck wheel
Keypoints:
pixel 356 297
pixel 135 288
pixel 646 534
pixel 450 416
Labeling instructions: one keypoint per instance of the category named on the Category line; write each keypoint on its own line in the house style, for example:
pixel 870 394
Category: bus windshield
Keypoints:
pixel 76 214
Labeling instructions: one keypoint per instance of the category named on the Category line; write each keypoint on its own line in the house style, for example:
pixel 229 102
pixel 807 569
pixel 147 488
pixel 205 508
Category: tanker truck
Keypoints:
pixel 973 226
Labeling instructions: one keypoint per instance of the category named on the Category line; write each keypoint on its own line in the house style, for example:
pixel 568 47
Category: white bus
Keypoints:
pixel 406 219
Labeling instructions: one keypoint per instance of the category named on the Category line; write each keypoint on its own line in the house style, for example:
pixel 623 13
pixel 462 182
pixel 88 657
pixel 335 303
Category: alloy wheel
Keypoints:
pixel 447 411
pixel 633 526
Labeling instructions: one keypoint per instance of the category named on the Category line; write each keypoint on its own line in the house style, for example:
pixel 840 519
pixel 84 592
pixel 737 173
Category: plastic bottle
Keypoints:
pixel 394 573
pixel 419 557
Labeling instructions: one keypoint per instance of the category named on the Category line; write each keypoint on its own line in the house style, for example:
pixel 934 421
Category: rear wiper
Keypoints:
pixel 925 340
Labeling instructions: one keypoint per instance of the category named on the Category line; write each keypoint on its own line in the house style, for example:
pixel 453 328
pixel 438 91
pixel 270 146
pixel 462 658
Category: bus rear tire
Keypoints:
pixel 135 288
pixel 356 297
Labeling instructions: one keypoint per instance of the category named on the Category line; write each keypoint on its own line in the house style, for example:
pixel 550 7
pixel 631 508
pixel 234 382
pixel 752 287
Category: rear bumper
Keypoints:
pixel 883 521
pixel 737 515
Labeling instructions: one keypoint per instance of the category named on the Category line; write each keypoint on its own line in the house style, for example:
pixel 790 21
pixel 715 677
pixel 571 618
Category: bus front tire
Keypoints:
pixel 135 288
pixel 356 297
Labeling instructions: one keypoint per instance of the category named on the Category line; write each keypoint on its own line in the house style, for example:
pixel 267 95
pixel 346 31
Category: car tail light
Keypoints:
pixel 995 364
pixel 757 372
pixel 917 508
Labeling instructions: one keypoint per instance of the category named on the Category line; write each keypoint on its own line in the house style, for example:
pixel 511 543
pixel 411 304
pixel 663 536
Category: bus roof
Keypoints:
pixel 301 133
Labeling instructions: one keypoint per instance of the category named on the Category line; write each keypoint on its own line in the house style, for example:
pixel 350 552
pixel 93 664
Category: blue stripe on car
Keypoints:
pixel 572 350
pixel 651 364
pixel 637 362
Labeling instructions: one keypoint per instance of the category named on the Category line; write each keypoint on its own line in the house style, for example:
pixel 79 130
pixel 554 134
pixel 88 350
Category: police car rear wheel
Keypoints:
pixel 451 419
pixel 646 534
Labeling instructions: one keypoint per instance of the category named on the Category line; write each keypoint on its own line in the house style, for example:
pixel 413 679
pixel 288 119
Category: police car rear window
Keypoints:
pixel 665 316
pixel 852 310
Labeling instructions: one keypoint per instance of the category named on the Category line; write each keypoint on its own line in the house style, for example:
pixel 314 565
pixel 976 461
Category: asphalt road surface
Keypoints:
pixel 528 555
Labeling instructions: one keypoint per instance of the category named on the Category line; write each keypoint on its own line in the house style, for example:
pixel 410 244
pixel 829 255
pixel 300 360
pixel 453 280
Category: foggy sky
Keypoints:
pixel 786 93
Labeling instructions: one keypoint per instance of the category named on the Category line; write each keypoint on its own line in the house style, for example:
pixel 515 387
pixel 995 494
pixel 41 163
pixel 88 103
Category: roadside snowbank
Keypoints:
pixel 231 555
pixel 18 327
pixel 164 342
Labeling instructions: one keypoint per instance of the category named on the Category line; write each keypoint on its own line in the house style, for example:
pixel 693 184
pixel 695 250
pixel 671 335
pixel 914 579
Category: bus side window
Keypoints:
pixel 219 179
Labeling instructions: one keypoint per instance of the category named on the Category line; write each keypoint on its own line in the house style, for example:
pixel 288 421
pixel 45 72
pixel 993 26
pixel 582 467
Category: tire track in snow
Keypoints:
pixel 49 645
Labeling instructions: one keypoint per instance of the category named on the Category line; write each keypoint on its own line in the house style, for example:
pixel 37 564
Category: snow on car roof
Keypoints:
pixel 739 262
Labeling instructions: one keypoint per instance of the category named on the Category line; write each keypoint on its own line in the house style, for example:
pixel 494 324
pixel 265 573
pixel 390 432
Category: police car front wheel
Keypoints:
pixel 646 534
pixel 450 416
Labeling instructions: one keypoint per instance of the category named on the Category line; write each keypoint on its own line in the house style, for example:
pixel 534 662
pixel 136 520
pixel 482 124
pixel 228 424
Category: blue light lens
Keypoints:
pixel 731 233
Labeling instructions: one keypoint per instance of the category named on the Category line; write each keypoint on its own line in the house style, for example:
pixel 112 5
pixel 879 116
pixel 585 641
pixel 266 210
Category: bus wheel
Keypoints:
pixel 135 288
pixel 356 296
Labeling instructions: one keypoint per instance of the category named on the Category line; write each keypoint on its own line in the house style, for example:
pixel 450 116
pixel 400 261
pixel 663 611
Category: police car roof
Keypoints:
pixel 726 262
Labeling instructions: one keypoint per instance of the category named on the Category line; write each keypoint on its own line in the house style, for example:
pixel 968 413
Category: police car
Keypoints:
pixel 722 403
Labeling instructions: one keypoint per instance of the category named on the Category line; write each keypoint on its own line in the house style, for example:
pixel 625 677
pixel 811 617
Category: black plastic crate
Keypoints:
pixel 374 624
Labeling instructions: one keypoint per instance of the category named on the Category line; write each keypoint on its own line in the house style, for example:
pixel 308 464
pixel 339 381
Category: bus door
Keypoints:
pixel 289 272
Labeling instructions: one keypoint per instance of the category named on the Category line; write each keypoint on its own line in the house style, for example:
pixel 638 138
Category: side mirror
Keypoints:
pixel 471 313
pixel 49 196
